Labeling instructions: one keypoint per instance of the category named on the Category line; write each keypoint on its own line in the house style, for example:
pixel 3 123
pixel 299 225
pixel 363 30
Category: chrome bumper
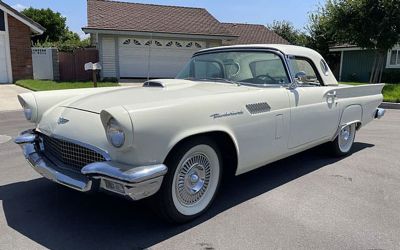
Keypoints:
pixel 379 113
pixel 135 182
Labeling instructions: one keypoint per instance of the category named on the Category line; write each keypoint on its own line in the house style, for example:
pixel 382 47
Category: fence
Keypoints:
pixel 71 64
pixel 45 64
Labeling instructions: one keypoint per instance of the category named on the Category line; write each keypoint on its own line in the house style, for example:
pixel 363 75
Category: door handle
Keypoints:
pixel 331 96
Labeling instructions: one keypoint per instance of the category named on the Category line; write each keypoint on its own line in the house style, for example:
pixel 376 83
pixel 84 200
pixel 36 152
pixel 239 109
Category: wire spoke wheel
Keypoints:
pixel 195 180
pixel 346 138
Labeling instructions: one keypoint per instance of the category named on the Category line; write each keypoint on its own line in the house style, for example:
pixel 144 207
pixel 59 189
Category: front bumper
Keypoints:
pixel 135 182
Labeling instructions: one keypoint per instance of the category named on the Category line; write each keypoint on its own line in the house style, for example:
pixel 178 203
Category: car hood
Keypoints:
pixel 157 91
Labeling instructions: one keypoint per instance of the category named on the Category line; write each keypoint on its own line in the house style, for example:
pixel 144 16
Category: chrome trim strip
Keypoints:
pixel 118 171
pixel 137 182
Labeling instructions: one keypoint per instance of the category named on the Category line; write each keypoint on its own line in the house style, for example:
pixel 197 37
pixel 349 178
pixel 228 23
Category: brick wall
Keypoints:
pixel 20 45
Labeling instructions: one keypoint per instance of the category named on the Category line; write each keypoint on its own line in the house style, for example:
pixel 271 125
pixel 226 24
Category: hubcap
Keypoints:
pixel 193 179
pixel 346 138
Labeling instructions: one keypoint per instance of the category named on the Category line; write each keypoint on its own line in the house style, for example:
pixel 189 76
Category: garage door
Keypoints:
pixel 156 58
pixel 3 59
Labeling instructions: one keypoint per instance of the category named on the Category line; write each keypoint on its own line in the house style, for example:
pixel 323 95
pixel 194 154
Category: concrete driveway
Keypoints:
pixel 308 201
pixel 8 96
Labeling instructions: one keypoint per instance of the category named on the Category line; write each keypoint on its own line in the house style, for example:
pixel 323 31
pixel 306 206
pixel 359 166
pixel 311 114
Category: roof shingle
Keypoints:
pixel 113 15
pixel 252 34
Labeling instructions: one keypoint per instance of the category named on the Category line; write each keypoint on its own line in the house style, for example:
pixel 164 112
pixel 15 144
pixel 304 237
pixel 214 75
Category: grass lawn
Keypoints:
pixel 391 92
pixel 39 85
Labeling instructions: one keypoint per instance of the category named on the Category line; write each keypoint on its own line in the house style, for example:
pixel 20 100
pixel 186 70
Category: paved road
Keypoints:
pixel 307 201
pixel 8 96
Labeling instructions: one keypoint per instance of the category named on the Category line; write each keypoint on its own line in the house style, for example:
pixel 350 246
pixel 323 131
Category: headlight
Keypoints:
pixel 115 134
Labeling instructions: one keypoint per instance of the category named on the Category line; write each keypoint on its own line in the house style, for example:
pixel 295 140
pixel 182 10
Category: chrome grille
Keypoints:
pixel 71 155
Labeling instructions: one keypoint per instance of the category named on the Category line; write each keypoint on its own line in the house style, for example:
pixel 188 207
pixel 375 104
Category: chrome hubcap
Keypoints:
pixel 346 138
pixel 193 179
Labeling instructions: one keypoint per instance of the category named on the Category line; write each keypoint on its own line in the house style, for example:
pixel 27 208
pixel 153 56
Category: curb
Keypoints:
pixel 390 105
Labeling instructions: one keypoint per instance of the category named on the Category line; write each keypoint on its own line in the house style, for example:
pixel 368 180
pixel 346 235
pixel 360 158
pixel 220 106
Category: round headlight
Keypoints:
pixel 115 134
pixel 28 113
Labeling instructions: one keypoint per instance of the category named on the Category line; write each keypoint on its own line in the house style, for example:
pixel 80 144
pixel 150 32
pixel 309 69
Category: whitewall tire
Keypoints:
pixel 343 143
pixel 192 181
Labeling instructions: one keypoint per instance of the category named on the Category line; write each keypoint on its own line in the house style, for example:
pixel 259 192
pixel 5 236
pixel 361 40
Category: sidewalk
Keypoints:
pixel 8 96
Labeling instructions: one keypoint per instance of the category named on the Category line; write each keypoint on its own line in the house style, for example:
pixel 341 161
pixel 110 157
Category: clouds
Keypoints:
pixel 19 7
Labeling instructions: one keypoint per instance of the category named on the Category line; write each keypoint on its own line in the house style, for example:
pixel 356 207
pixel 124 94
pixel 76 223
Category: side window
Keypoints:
pixel 207 69
pixel 2 22
pixel 305 71
pixel 269 71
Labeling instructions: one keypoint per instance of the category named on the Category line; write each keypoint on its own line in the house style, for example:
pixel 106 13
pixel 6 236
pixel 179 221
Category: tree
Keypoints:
pixel 287 31
pixel 55 24
pixel 369 24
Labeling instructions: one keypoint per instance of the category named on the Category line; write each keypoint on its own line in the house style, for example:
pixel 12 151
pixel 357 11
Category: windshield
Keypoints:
pixel 254 68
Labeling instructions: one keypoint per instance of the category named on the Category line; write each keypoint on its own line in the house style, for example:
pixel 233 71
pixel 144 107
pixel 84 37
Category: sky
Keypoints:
pixel 241 11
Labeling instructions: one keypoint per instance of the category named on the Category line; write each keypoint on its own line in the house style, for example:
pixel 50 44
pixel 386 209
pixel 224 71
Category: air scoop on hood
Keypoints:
pixel 167 83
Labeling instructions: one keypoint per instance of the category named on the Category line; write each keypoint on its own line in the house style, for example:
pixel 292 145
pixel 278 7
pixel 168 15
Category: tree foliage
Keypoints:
pixel 57 33
pixel 287 31
pixel 369 24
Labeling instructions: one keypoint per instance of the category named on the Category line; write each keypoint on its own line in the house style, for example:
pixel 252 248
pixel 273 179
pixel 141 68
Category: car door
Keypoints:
pixel 314 109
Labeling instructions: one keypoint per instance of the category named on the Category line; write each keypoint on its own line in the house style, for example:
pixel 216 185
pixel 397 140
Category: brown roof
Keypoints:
pixel 34 26
pixel 252 34
pixel 122 16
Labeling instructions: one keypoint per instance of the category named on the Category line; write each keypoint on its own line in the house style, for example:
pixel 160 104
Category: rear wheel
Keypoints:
pixel 344 141
pixel 192 181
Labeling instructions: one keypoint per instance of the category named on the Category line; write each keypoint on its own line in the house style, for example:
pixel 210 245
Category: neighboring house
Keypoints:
pixel 251 34
pixel 356 63
pixel 147 40
pixel 15 44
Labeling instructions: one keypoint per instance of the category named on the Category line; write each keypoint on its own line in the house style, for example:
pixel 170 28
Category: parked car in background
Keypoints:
pixel 231 108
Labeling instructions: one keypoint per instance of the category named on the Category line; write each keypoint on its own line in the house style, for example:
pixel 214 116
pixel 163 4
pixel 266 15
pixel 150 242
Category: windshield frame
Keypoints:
pixel 270 50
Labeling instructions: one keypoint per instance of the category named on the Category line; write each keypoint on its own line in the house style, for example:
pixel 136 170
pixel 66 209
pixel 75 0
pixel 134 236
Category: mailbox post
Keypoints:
pixel 94 67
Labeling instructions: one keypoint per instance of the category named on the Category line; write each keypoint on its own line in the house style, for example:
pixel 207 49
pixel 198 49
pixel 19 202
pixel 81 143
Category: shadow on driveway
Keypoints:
pixel 57 217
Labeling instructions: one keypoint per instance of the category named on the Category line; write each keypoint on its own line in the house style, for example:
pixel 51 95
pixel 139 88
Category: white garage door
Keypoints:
pixel 156 58
pixel 3 59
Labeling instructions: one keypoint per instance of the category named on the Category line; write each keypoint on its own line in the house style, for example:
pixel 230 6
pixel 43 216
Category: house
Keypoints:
pixel 15 44
pixel 356 63
pixel 146 40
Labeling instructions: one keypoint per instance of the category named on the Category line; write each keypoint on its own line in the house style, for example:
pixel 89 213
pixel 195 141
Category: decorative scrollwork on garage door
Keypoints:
pixel 198 45
pixel 127 41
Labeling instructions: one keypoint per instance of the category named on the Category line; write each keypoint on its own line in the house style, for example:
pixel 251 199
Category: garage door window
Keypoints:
pixel 2 23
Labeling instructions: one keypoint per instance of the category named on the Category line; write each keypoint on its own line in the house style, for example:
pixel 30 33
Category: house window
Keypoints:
pixel 169 44
pixel 178 44
pixel 394 58
pixel 189 45
pixel 2 22
pixel 136 42
pixel 158 43
pixel 148 43
pixel 127 41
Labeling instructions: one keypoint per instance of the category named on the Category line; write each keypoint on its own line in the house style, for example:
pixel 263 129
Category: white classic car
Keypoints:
pixel 231 108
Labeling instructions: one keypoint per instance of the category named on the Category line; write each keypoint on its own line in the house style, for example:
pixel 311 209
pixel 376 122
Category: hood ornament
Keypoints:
pixel 62 120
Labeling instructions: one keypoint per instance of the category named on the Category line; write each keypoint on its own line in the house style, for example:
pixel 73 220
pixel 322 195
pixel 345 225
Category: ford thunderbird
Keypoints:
pixel 233 108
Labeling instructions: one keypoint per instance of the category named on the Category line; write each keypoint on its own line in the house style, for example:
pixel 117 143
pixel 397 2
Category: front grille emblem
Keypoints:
pixel 62 120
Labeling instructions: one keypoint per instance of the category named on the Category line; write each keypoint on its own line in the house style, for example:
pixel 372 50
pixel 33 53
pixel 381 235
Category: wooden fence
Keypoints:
pixel 71 64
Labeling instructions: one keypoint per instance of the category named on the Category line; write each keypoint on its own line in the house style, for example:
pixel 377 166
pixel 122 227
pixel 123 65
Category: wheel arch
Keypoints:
pixel 226 144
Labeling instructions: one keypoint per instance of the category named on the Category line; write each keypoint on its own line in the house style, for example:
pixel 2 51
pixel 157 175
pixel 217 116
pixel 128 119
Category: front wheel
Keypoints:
pixel 192 181
pixel 344 141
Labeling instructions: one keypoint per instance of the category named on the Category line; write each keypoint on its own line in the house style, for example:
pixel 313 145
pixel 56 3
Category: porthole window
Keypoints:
pixel 127 41
pixel 324 67
pixel 169 44
pixel 178 44
pixel 189 45
pixel 136 42
pixel 148 43
pixel 198 45
pixel 158 43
